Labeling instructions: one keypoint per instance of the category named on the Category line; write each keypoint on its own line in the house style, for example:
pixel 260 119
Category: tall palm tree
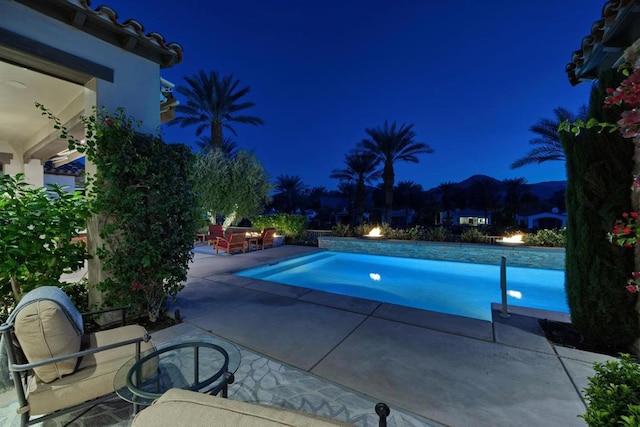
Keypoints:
pixel 515 189
pixel 483 195
pixel 547 145
pixel 361 169
pixel 213 102
pixel 391 144
pixel 448 192
pixel 290 190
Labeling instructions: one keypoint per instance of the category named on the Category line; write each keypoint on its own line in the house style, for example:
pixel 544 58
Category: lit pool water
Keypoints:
pixel 458 288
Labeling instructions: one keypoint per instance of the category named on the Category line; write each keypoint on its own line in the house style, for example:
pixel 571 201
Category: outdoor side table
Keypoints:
pixel 202 366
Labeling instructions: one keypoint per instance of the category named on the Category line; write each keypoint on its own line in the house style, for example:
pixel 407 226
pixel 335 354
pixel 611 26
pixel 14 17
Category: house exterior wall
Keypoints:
pixel 136 80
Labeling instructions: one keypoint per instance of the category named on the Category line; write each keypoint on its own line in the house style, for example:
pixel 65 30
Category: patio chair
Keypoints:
pixel 54 366
pixel 266 238
pixel 185 407
pixel 215 231
pixel 235 242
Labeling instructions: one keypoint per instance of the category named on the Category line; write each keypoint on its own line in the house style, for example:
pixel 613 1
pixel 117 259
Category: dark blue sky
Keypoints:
pixel 472 76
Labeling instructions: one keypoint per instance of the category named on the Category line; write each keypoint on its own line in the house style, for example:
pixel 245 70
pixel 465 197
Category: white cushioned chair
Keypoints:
pixel 55 367
pixel 178 407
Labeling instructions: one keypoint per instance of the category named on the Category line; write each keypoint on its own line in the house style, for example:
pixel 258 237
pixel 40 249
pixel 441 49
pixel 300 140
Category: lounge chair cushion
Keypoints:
pixel 46 326
pixel 93 378
pixel 188 408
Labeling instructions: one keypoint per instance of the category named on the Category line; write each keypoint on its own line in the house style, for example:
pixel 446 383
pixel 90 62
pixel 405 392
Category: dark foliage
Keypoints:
pixel 599 169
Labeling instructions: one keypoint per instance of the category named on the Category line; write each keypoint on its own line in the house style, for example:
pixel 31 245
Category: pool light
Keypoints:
pixel 515 294
pixel 375 277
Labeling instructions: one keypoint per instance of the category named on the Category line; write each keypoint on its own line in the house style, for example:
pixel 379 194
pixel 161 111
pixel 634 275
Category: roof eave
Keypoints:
pixel 618 29
pixel 103 23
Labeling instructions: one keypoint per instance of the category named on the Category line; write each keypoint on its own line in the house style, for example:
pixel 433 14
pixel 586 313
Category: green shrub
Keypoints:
pixel 290 225
pixel 613 393
pixel 472 235
pixel 436 234
pixel 414 233
pixel 78 293
pixel 548 238
pixel 36 227
pixel 341 230
pixel 146 210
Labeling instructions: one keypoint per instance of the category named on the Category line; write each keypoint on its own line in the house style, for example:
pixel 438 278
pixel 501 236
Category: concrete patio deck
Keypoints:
pixel 433 369
pixel 453 370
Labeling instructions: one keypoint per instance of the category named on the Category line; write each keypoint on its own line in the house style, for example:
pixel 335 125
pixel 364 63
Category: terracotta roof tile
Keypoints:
pixel 102 22
pixel 602 46
pixel 131 25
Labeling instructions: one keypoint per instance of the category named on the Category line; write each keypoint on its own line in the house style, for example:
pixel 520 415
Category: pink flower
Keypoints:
pixel 632 288
pixel 633 214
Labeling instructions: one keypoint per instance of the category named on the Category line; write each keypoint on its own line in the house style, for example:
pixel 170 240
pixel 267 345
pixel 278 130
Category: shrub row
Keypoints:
pixel 548 238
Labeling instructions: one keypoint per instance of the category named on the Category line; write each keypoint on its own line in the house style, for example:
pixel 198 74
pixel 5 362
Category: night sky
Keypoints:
pixel 472 76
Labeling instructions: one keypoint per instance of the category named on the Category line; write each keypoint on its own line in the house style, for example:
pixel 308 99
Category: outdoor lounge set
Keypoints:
pixel 56 369
pixel 239 241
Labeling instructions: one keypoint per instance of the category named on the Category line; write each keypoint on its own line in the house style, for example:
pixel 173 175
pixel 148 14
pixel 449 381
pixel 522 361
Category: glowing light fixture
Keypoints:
pixel 514 240
pixel 375 232
pixel 375 277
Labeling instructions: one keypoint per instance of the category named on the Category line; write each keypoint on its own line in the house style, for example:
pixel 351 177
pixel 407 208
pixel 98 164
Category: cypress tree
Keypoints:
pixel 599 174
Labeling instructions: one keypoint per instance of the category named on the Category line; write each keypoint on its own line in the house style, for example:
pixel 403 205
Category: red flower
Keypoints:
pixel 634 214
pixel 632 288
pixel 136 286
pixel 626 230
pixel 635 274
pixel 625 215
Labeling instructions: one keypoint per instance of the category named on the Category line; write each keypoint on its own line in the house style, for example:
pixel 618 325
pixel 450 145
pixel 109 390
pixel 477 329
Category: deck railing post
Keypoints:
pixel 503 286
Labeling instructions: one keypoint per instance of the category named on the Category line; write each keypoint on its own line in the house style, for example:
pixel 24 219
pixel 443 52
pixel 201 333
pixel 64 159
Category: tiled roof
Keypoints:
pixel 617 29
pixel 102 22
pixel 74 168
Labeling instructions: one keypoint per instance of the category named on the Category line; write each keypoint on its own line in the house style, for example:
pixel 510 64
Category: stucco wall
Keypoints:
pixel 547 258
pixel 136 83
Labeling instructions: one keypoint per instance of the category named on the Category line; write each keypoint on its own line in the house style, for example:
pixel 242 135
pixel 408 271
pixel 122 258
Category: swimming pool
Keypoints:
pixel 462 289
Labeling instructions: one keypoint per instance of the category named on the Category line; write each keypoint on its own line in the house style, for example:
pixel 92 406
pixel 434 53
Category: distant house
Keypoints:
pixel 470 217
pixel 70 175
pixel 543 220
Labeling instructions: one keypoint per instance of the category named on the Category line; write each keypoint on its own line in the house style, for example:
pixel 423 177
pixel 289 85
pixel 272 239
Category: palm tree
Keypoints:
pixel 361 169
pixel 290 190
pixel 448 192
pixel 483 195
pixel 408 195
pixel 213 101
pixel 515 189
pixel 391 144
pixel 547 146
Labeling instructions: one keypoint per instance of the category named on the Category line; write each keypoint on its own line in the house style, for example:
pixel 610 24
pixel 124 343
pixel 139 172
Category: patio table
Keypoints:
pixel 203 366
